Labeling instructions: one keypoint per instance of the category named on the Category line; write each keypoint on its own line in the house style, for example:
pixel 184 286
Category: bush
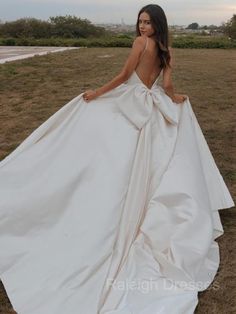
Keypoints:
pixel 203 42
pixel 117 41
pixel 8 42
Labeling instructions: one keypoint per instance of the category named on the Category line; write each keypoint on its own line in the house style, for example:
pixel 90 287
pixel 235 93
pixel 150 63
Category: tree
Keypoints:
pixel 192 26
pixel 26 27
pixel 59 26
pixel 73 27
pixel 229 28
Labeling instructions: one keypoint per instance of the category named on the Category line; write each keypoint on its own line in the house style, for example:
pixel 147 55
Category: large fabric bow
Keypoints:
pixel 137 104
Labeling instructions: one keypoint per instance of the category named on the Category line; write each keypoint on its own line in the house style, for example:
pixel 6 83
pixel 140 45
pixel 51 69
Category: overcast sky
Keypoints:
pixel 180 12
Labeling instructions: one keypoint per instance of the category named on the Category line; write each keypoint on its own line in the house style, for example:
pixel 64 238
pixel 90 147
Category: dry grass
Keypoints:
pixel 32 90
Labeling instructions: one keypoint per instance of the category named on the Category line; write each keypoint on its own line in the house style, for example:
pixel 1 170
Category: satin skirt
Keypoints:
pixel 111 207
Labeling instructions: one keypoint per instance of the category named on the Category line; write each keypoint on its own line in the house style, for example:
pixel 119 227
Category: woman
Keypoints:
pixel 152 24
pixel 111 205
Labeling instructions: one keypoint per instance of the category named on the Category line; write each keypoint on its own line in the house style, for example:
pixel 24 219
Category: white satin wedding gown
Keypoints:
pixel 111 207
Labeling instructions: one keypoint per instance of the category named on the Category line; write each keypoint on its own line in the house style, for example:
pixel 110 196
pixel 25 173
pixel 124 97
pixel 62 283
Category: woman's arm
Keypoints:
pixel 126 71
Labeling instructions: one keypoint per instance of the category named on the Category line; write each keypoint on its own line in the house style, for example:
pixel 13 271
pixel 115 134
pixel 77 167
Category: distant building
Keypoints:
pixel 117 28
pixel 177 30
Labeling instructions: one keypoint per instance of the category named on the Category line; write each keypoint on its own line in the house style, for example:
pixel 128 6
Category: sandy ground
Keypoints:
pixel 9 53
pixel 31 90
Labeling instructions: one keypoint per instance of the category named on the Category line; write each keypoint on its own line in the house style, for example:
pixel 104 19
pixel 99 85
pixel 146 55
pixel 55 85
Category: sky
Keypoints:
pixel 178 12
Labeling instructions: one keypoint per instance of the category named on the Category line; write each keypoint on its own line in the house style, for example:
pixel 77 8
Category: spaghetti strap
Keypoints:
pixel 144 48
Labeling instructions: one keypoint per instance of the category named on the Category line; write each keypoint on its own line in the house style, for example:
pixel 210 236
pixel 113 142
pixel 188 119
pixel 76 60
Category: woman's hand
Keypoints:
pixel 90 95
pixel 178 98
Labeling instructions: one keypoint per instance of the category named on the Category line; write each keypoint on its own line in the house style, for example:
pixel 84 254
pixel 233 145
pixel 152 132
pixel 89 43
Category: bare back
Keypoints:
pixel 148 68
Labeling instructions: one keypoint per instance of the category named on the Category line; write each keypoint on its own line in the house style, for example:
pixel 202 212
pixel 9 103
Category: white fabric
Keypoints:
pixel 111 207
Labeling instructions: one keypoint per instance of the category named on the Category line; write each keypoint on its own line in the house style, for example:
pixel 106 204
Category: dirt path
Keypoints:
pixel 12 53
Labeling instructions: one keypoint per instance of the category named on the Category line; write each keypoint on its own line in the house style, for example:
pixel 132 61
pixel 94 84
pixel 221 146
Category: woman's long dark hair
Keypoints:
pixel 159 24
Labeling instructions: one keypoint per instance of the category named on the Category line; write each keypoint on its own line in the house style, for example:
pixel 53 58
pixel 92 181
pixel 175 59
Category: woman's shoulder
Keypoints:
pixel 140 40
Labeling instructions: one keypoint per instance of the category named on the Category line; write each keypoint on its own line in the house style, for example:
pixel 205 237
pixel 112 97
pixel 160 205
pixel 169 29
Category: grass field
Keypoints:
pixel 31 90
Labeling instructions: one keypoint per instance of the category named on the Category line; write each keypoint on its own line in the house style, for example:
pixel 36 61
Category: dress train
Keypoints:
pixel 111 207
